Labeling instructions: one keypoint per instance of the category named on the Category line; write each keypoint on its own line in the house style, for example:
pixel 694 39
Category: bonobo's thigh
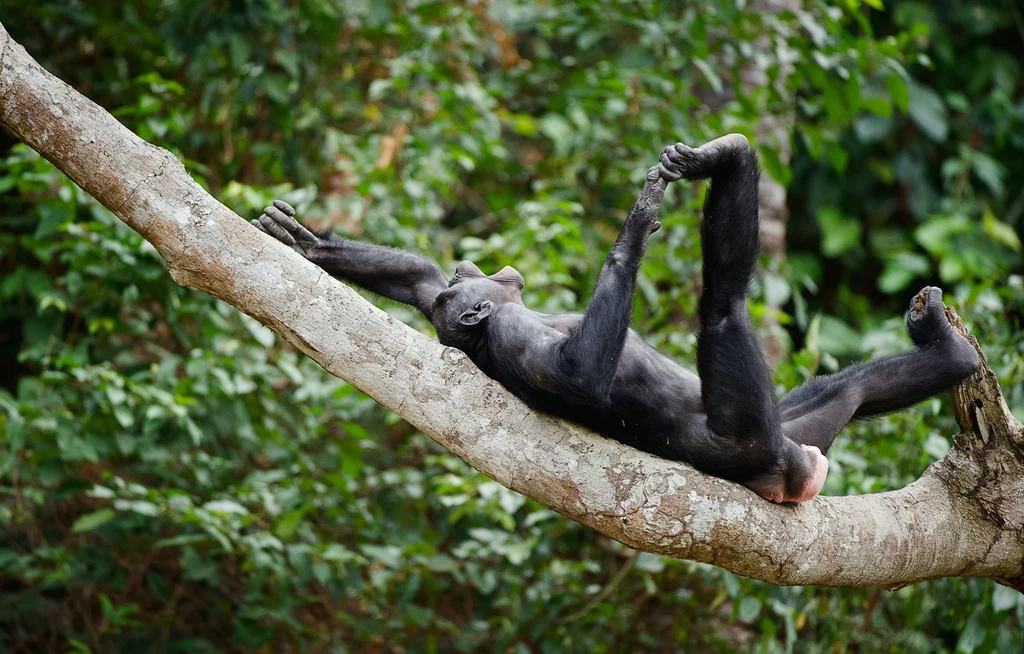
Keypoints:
pixel 815 412
pixel 735 381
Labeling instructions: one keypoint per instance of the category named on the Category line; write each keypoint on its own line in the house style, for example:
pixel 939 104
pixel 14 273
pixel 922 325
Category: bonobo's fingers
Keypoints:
pixel 285 207
pixel 278 220
pixel 271 225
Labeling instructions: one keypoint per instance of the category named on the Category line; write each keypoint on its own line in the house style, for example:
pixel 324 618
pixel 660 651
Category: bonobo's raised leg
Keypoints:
pixel 816 411
pixel 736 384
pixel 395 274
pixel 593 351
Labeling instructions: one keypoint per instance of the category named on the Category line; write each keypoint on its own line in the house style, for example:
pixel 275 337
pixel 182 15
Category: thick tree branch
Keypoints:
pixel 963 517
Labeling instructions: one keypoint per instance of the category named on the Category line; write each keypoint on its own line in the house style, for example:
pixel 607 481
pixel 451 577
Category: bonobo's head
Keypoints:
pixel 461 311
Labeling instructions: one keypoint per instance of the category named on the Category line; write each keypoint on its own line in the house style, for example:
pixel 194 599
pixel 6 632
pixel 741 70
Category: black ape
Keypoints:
pixel 593 369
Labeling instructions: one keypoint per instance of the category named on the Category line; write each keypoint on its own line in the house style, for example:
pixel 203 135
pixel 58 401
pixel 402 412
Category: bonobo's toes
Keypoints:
pixel 926 320
pixel 927 326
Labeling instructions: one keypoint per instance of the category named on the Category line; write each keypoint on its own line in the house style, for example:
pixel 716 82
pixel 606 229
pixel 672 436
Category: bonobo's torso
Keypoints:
pixel 649 400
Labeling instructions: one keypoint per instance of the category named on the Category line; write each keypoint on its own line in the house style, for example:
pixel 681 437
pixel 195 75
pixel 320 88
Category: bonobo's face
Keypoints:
pixel 472 296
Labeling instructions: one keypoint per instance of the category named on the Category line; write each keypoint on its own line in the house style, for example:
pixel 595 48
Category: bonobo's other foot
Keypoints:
pixel 926 320
pixel 928 327
pixel 683 162
pixel 278 220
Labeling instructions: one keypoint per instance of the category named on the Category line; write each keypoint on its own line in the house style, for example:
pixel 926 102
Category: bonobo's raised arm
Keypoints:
pixel 594 349
pixel 395 274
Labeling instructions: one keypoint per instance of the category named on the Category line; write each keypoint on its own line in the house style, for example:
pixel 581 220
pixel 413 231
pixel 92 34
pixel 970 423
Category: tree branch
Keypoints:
pixel 963 517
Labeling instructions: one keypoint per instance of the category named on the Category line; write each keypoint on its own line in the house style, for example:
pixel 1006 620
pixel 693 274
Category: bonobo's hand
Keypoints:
pixel 278 220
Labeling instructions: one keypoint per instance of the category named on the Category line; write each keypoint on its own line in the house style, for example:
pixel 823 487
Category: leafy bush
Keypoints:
pixel 173 478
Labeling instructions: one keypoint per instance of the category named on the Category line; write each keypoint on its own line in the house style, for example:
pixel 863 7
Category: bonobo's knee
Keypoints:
pixel 718 316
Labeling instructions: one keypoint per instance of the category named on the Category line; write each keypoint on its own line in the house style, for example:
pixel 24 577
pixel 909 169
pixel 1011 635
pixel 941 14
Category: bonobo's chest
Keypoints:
pixel 564 323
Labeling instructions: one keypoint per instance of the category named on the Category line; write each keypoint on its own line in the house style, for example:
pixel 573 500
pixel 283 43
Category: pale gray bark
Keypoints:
pixel 963 517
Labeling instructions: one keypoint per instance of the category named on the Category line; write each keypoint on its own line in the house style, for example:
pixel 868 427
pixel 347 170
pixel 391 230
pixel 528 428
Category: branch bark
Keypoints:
pixel 964 516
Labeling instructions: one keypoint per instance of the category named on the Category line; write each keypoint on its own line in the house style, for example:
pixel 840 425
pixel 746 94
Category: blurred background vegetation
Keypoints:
pixel 174 478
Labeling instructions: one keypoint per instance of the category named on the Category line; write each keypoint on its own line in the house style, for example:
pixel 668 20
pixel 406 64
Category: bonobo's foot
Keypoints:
pixel 278 220
pixel 926 320
pixel 683 162
pixel 927 326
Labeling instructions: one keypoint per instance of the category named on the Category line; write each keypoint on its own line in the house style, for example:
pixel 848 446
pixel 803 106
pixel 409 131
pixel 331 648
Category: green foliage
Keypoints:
pixel 173 478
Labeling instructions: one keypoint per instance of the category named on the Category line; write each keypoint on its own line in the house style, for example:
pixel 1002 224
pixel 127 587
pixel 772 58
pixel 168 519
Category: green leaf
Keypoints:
pixel 928 112
pixel 838 338
pixel 288 524
pixel 937 234
pixel 897 88
pixel 749 608
pixel 901 269
pixel 649 562
pixel 952 268
pixel 709 74
pixel 838 233
pixel 225 506
pixel 936 445
pixel 558 129
pixel 93 520
pixel 838 157
pixel 774 166
pixel 1000 232
pixel 835 101
pixel 1004 599
pixel 878 105
pixel 990 172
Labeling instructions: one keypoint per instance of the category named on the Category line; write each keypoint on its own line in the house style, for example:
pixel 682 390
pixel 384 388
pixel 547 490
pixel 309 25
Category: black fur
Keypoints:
pixel 594 370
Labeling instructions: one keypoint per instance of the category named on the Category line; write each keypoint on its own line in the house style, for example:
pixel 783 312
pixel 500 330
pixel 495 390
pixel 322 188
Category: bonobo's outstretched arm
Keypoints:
pixel 395 274
pixel 594 349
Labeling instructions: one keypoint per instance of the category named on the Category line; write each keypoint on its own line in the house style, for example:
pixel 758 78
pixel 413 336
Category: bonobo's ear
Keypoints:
pixel 476 313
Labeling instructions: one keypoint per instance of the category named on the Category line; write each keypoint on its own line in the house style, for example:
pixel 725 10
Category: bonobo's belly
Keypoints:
pixel 651 396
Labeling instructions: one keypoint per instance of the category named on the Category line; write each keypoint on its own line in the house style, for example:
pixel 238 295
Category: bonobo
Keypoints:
pixel 591 368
